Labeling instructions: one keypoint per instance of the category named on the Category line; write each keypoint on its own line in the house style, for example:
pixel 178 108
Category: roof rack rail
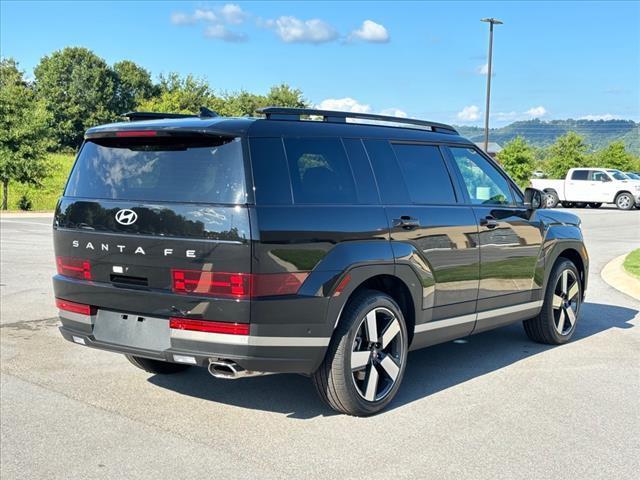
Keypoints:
pixel 285 113
pixel 138 116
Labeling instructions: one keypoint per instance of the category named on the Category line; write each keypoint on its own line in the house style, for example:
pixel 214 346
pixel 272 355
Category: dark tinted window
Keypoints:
pixel 425 174
pixel 365 183
pixel 270 171
pixel 319 171
pixel 484 182
pixel 388 176
pixel 163 169
pixel 580 175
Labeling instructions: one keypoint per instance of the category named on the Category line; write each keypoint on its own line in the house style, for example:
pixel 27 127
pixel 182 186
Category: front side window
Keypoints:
pixel 198 170
pixel 320 172
pixel 484 183
pixel 598 176
pixel 617 175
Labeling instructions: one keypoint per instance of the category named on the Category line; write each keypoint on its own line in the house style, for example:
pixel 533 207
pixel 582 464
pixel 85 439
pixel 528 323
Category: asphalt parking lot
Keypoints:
pixel 493 405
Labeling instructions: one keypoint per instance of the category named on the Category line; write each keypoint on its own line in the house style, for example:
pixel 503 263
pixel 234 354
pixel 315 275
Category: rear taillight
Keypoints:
pixel 179 323
pixel 75 307
pixel 235 285
pixel 74 267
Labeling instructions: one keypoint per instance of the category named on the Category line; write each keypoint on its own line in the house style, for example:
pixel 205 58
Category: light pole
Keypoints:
pixel 491 22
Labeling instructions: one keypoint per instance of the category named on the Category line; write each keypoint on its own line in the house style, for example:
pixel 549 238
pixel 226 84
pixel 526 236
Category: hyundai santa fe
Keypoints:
pixel 300 242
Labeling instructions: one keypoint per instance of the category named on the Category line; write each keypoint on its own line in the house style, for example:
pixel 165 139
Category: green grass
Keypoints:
pixel 632 263
pixel 44 197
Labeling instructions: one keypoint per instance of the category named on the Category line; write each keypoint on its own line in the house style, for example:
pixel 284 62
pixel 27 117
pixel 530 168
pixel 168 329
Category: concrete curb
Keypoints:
pixel 26 215
pixel 615 275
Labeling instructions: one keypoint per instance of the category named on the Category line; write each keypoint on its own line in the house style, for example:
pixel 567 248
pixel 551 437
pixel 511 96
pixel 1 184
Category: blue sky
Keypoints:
pixel 423 59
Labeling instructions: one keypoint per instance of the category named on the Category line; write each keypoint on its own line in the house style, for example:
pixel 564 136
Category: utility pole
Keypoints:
pixel 491 22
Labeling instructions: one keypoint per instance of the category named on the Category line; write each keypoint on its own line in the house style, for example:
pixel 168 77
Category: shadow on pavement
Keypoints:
pixel 429 370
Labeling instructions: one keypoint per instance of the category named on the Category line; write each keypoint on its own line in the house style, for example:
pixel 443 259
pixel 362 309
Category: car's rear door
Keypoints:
pixel 580 186
pixel 433 232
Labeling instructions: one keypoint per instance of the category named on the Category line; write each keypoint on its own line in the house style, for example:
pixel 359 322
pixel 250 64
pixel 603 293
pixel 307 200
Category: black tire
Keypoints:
pixel 551 199
pixel 156 366
pixel 580 205
pixel 550 325
pixel 625 201
pixel 338 384
pixel 595 205
pixel 567 204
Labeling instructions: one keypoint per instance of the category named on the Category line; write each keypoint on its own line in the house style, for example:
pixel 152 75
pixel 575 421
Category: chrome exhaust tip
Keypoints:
pixel 229 370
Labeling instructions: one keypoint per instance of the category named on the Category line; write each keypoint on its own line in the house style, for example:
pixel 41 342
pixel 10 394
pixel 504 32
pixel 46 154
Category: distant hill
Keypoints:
pixel 597 133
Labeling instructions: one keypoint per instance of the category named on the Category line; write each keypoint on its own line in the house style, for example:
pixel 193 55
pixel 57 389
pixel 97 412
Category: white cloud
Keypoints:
pixel 482 69
pixel 179 18
pixel 371 31
pixel 232 14
pixel 394 112
pixel 220 32
pixel 536 112
pixel 205 15
pixel 604 116
pixel 346 104
pixel 469 113
pixel 293 30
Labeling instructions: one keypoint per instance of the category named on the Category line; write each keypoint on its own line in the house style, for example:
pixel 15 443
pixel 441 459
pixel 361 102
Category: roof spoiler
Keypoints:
pixel 282 113
pixel 139 116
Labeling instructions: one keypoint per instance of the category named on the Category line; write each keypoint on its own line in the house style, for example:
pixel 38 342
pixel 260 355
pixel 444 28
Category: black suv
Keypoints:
pixel 300 242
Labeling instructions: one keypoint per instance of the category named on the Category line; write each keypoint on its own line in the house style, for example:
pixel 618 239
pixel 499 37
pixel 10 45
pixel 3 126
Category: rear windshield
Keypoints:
pixel 163 170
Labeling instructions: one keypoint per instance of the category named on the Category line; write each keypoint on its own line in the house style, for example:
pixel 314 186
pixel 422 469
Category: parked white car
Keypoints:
pixel 590 187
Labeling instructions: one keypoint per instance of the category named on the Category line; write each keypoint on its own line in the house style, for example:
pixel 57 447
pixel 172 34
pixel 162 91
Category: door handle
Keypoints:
pixel 406 222
pixel 488 222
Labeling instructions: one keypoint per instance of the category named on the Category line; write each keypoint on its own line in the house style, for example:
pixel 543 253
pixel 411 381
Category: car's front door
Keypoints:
pixel 510 239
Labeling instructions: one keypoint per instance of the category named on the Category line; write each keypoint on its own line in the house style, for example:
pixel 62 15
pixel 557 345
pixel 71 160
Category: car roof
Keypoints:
pixel 261 127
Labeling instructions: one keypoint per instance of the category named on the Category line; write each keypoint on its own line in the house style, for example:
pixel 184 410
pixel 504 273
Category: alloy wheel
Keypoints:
pixel 624 201
pixel 566 302
pixel 376 354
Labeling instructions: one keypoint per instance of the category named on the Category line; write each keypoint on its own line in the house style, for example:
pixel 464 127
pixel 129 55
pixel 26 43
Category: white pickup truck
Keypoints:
pixel 592 187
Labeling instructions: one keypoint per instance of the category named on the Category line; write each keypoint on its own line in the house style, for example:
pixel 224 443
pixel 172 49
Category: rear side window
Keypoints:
pixel 270 171
pixel 165 169
pixel 320 172
pixel 425 174
pixel 393 190
pixel 580 175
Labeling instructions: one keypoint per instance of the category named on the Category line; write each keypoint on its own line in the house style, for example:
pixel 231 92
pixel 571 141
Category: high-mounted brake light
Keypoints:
pixel 235 285
pixel 179 323
pixel 75 307
pixel 137 133
pixel 74 267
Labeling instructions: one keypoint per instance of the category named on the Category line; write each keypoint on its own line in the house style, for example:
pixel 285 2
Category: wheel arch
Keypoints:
pixel 576 253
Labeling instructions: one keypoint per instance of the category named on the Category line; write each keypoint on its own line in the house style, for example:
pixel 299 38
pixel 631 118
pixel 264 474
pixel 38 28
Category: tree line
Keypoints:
pixel 74 89
pixel 520 159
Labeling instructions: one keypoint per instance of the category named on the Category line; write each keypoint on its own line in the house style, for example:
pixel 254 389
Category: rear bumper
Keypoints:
pixel 262 354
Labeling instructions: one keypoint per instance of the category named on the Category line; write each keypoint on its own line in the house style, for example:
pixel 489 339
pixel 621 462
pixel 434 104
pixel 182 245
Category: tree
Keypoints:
pixel 284 96
pixel 518 158
pixel 569 151
pixel 133 85
pixel 24 130
pixel 179 95
pixel 615 156
pixel 78 87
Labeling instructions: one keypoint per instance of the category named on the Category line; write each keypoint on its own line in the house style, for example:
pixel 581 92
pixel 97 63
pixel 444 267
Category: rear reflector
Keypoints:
pixel 74 267
pixel 136 133
pixel 179 323
pixel 235 285
pixel 74 307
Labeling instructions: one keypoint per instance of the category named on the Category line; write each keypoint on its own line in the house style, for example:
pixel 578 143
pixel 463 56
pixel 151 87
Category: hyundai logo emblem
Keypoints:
pixel 126 216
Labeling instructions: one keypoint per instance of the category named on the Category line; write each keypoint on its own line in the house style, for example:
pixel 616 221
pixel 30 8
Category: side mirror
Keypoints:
pixel 533 199
pixel 605 179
